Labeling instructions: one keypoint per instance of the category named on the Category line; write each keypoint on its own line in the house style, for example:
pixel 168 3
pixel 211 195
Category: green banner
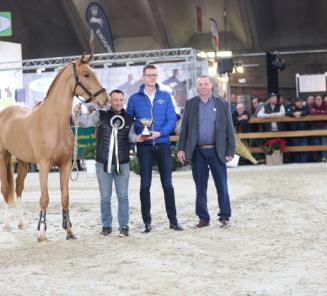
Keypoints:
pixel 5 24
pixel 86 142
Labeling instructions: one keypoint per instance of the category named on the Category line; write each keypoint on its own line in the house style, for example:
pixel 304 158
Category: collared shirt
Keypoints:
pixel 207 122
pixel 151 97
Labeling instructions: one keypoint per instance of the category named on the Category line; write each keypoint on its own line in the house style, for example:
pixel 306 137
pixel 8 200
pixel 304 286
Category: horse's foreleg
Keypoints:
pixel 65 170
pixel 21 175
pixel 44 200
pixel 5 186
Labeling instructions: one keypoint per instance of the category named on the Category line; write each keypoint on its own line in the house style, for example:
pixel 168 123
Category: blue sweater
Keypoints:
pixel 162 112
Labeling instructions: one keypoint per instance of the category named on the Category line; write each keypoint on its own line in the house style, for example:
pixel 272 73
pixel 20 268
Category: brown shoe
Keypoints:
pixel 202 223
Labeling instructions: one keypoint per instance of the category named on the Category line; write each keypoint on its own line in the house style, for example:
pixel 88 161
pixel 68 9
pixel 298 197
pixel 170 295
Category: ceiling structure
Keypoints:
pixel 48 28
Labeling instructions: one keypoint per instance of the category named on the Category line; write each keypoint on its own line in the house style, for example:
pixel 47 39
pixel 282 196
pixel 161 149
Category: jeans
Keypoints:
pixel 121 185
pixel 321 141
pixel 202 160
pixel 160 153
pixel 300 157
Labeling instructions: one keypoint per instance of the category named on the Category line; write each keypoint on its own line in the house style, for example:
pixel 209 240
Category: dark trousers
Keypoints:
pixel 161 154
pixel 300 157
pixel 202 160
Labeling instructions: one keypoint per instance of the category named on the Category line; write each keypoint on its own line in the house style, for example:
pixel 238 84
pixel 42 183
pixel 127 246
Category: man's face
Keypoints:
pixel 273 100
pixel 255 103
pixel 233 99
pixel 117 101
pixel 299 104
pixel 240 108
pixel 204 86
pixel 150 77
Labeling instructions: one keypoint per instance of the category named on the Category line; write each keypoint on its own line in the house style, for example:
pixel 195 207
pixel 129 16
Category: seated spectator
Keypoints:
pixel 297 110
pixel 241 119
pixel 309 100
pixel 272 109
pixel 233 102
pixel 256 106
pixel 324 97
pixel 319 107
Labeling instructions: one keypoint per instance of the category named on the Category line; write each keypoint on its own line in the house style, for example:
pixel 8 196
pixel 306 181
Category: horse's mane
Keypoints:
pixel 56 79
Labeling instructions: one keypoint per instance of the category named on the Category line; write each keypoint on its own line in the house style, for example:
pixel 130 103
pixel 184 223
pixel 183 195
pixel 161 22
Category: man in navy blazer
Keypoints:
pixel 207 139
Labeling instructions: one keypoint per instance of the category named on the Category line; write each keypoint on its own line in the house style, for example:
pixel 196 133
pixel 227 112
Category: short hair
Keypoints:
pixel 116 91
pixel 204 76
pixel 149 66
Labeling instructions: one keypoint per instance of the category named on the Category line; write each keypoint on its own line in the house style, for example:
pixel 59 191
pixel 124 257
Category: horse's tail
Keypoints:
pixel 10 197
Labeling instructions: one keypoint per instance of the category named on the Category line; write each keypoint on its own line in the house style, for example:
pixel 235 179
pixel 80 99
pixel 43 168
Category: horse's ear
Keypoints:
pixel 90 57
pixel 82 59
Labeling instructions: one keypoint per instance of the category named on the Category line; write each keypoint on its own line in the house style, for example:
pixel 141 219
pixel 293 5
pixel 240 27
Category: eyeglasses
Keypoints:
pixel 151 75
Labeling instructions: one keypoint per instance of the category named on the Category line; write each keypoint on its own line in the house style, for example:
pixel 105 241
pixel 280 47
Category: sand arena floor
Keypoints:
pixel 277 244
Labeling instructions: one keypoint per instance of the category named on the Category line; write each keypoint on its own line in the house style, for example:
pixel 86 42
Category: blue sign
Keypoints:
pixel 99 24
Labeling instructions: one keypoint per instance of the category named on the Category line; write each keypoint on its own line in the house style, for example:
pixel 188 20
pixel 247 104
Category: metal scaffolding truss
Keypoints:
pixel 108 59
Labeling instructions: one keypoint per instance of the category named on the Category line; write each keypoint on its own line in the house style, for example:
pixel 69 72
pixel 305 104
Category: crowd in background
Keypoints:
pixel 277 106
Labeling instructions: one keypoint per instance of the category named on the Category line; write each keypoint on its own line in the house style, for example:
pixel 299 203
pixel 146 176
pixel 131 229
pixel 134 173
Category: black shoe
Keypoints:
pixel 124 231
pixel 146 228
pixel 224 223
pixel 176 227
pixel 106 231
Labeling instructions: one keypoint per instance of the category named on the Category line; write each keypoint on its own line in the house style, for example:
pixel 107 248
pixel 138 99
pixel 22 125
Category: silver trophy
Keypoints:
pixel 146 122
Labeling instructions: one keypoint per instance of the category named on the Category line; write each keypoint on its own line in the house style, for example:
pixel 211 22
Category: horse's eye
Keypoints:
pixel 87 75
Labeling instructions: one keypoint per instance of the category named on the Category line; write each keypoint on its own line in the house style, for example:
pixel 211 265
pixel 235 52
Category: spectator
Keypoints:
pixel 297 110
pixel 256 106
pixel 270 110
pixel 233 102
pixel 319 107
pixel 241 119
pixel 309 101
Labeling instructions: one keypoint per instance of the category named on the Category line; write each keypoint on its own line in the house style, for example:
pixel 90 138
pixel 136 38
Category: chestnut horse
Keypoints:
pixel 43 135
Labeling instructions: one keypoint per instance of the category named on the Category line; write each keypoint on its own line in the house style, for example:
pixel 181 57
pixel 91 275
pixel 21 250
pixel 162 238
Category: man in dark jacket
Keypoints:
pixel 207 138
pixel 297 110
pixel 157 107
pixel 112 158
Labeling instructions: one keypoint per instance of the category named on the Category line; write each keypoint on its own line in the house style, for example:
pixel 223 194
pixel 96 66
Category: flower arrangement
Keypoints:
pixel 272 145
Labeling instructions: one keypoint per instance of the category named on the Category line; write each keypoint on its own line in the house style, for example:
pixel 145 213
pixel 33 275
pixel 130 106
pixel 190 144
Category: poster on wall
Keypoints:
pixel 11 81
pixel 173 78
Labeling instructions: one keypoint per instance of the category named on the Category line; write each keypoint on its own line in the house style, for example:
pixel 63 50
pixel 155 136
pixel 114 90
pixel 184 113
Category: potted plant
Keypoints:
pixel 273 149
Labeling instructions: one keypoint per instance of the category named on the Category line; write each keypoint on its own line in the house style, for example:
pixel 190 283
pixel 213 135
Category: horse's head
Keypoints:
pixel 87 84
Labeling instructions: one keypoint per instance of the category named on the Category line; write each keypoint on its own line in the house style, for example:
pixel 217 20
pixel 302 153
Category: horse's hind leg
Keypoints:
pixel 44 200
pixel 6 176
pixel 65 170
pixel 22 171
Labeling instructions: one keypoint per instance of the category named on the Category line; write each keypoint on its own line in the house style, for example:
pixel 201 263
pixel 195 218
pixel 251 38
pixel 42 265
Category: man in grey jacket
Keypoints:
pixel 207 138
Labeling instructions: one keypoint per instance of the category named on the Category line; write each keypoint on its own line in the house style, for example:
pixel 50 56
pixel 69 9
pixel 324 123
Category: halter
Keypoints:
pixel 79 83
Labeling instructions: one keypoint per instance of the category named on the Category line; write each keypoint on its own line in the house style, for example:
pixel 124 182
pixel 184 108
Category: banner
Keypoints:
pixel 86 142
pixel 99 24
pixel 214 34
pixel 11 81
pixel 5 24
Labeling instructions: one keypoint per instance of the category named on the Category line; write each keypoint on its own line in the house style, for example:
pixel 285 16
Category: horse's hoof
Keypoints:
pixel 22 226
pixel 70 236
pixel 41 239
pixel 6 227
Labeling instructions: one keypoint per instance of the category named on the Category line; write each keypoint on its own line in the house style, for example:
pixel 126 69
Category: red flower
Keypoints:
pixel 272 145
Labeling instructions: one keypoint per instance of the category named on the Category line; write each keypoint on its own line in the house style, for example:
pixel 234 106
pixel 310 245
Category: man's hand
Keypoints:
pixel 154 135
pixel 181 157
pixel 229 158
pixel 141 138
pixel 77 109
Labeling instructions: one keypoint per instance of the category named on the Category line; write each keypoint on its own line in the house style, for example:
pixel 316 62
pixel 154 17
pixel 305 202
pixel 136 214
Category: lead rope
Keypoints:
pixel 76 123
